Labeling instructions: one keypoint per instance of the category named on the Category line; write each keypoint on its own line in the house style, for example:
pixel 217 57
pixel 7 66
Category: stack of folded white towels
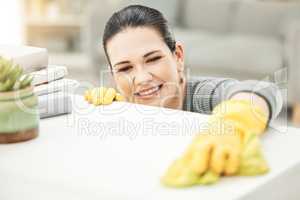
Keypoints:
pixel 50 85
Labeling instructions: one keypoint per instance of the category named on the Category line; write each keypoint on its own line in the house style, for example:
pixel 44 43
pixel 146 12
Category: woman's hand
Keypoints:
pixel 228 146
pixel 102 96
pixel 219 153
pixel 219 148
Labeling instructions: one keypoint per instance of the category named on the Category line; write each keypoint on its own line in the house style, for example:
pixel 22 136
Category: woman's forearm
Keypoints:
pixel 206 93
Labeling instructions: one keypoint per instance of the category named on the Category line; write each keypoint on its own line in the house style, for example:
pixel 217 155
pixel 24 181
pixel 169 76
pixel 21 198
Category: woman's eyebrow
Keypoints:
pixel 122 62
pixel 150 53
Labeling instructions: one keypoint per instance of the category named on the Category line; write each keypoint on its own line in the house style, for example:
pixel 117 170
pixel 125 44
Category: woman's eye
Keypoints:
pixel 124 69
pixel 154 59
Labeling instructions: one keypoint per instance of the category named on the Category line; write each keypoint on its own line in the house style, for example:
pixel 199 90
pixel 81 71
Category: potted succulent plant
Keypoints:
pixel 19 116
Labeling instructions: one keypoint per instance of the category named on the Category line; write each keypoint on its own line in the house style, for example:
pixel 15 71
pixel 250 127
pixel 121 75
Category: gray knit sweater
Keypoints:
pixel 204 93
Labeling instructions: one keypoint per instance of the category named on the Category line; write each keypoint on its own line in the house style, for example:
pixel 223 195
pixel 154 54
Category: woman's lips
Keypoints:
pixel 149 93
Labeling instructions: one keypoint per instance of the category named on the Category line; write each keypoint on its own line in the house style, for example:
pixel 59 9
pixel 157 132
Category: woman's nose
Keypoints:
pixel 142 76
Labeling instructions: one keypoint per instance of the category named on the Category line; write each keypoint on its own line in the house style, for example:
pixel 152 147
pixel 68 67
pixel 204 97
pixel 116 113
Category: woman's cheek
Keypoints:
pixel 124 85
pixel 163 71
pixel 174 86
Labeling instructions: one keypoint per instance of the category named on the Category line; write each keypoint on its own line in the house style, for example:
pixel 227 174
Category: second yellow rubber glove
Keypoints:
pixel 102 96
pixel 229 146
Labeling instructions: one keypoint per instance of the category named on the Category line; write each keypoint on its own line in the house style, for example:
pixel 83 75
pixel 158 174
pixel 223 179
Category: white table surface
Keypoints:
pixel 121 151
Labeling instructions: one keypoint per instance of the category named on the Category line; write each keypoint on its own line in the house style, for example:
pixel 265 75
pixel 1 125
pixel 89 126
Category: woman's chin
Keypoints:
pixel 167 103
pixel 149 102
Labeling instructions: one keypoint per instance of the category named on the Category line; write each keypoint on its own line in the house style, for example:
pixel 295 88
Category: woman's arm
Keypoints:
pixel 229 143
pixel 204 93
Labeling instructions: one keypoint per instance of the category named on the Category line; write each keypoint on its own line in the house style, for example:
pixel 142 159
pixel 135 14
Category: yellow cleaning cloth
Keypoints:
pixel 250 121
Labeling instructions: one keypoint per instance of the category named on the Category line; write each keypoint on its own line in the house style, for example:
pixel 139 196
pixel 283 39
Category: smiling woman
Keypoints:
pixel 147 72
pixel 146 62
pixel 147 65
pixel 148 68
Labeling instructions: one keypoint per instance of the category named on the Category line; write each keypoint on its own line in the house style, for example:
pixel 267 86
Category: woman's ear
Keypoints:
pixel 179 55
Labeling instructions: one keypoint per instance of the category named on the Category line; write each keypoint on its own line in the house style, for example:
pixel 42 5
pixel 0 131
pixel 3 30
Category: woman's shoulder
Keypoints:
pixel 201 89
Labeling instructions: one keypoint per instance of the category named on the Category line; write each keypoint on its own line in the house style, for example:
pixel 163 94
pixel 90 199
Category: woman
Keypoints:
pixel 148 68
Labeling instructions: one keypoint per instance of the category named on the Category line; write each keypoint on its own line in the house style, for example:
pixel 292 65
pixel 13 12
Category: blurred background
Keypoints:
pixel 242 39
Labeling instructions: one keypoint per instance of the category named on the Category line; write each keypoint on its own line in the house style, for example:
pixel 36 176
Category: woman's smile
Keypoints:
pixel 149 92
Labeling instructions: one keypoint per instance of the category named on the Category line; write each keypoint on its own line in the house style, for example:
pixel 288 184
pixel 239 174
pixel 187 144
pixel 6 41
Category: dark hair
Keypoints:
pixel 136 16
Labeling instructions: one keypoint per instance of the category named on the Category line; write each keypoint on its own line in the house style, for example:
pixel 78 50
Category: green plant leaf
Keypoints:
pixel 11 76
pixel 5 86
pixel 26 81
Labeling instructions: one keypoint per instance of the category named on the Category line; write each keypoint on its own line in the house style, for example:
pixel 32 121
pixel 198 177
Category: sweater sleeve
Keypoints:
pixel 204 93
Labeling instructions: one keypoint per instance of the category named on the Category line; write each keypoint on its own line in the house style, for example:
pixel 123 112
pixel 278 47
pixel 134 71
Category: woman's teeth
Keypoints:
pixel 149 92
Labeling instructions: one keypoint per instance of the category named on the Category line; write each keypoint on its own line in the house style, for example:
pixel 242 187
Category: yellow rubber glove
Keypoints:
pixel 102 96
pixel 229 146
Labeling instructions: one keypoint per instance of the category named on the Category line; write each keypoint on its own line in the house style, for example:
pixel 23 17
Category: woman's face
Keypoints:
pixel 144 69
